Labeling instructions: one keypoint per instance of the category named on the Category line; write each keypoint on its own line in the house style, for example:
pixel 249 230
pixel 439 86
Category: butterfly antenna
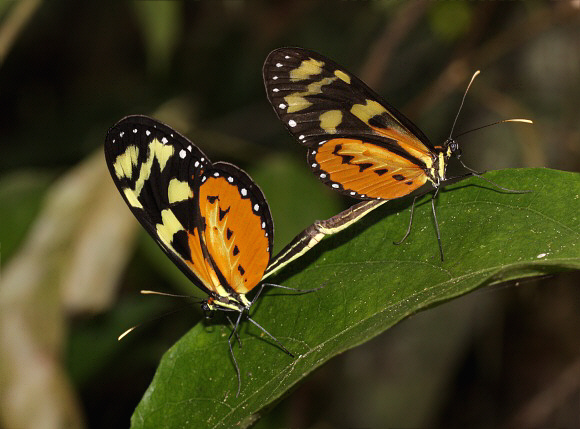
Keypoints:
pixel 462 102
pixel 524 121
pixel 452 137
pixel 128 331
pixel 154 292
pixel 192 298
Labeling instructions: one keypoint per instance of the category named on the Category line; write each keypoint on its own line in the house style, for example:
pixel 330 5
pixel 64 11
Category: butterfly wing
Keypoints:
pixel 157 170
pixel 237 227
pixel 358 144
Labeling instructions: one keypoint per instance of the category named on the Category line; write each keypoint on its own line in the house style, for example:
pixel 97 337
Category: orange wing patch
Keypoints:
pixel 235 233
pixel 365 170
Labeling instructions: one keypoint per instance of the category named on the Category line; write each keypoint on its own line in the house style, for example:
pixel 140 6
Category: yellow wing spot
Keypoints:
pixel 178 191
pixel 306 69
pixel 342 76
pixel 366 111
pixel 161 152
pixel 124 163
pixel 330 120
pixel 168 227
pixel 132 198
pixel 297 101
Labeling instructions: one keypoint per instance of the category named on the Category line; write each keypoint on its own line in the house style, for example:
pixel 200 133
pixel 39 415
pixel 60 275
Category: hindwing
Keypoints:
pixel 363 170
pixel 237 226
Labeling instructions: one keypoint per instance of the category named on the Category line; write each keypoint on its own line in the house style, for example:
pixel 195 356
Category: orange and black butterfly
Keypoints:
pixel 358 144
pixel 211 219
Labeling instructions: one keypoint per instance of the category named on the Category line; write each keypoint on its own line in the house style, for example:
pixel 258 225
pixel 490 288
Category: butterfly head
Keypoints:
pixel 452 149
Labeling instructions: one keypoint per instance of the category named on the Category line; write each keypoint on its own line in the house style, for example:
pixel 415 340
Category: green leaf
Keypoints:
pixel 370 284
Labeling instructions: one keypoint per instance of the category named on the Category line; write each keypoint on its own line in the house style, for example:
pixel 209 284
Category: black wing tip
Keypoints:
pixel 136 120
pixel 143 120
pixel 128 121
pixel 161 127
pixel 294 51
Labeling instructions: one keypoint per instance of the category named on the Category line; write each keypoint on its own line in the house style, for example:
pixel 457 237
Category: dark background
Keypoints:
pixel 506 356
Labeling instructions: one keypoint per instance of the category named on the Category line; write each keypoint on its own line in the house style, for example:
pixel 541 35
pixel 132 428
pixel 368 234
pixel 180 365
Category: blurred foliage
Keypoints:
pixel 444 13
pixel 21 196
pixel 69 70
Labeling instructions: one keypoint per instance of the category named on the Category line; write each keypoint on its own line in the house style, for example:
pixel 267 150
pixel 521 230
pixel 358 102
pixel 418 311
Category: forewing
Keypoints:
pixel 317 99
pixel 238 229
pixel 156 170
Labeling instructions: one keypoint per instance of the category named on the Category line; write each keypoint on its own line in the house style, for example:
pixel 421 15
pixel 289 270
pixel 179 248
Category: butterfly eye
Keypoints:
pixel 452 147
pixel 455 149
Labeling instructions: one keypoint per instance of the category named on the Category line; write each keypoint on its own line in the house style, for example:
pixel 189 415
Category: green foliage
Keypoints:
pixel 160 27
pixel 488 237
pixel 450 20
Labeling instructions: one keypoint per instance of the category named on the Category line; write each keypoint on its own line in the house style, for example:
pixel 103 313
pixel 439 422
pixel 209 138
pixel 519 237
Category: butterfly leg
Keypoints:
pixel 436 223
pixel 479 174
pixel 298 291
pixel 284 349
pixel 476 173
pixel 234 332
pixel 410 221
pixel 257 294
pixel 260 326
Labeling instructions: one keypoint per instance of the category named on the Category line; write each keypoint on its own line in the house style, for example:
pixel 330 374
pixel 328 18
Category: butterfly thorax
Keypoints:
pixel 436 171
pixel 441 155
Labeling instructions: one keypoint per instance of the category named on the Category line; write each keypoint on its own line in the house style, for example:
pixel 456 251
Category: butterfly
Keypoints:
pixel 210 219
pixel 358 144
